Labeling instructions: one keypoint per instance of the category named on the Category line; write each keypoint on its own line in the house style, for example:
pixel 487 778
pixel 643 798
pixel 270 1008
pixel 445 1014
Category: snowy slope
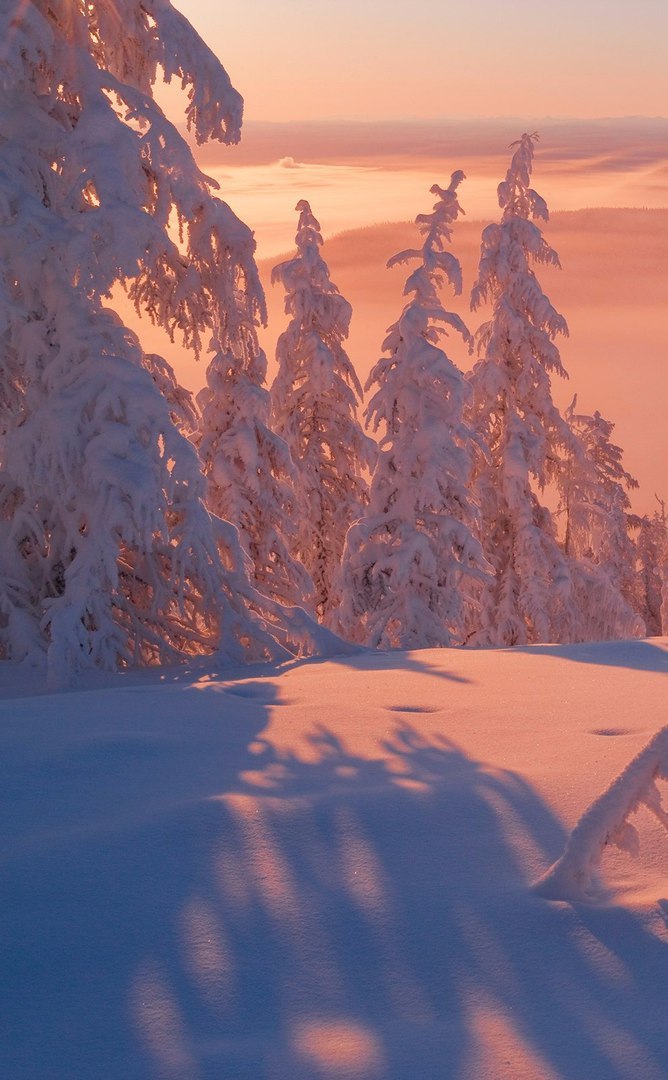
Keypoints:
pixel 323 871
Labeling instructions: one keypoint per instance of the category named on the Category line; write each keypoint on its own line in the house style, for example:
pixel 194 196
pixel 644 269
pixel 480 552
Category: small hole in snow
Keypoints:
pixel 610 731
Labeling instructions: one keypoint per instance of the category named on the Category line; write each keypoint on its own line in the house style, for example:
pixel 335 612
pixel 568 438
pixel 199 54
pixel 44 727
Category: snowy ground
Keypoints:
pixel 323 872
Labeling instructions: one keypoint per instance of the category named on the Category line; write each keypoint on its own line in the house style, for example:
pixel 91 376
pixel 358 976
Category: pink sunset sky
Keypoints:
pixel 370 59
pixel 360 106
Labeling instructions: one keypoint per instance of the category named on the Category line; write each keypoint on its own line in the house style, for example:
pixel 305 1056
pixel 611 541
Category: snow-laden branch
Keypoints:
pixel 572 877
pixel 108 556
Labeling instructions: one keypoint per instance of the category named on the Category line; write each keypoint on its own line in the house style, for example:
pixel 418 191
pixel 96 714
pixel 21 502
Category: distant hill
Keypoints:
pixel 639 139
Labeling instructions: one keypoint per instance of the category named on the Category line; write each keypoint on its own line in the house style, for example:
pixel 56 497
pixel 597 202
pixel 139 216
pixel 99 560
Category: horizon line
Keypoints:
pixel 457 118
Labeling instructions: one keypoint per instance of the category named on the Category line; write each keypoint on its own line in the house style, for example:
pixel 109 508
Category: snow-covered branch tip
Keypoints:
pixel 525 138
pixel 573 876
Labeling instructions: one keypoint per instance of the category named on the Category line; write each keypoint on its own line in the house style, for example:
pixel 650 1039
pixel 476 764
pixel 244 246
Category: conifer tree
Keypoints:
pixel 314 407
pixel 411 562
pixel 249 471
pixel 652 548
pixel 596 511
pixel 108 556
pixel 530 599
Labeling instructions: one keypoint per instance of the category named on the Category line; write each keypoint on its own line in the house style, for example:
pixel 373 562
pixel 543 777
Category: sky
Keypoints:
pixel 301 67
pixel 368 59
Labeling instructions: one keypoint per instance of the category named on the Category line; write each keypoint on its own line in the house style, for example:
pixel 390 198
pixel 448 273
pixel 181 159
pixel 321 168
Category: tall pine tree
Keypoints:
pixel 596 519
pixel 314 406
pixel 652 548
pixel 250 474
pixel 411 563
pixel 530 599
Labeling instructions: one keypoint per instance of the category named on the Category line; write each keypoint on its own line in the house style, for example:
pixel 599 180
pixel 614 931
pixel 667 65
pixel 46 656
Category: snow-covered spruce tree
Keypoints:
pixel 411 562
pixel 530 599
pixel 108 556
pixel 314 407
pixel 249 471
pixel 595 510
pixel 652 549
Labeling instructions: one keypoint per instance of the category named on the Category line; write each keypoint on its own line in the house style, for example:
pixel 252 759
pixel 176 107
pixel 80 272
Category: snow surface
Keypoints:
pixel 324 871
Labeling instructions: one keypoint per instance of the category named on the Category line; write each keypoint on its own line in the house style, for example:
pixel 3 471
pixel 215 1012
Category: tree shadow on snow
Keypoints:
pixel 362 659
pixel 641 655
pixel 286 917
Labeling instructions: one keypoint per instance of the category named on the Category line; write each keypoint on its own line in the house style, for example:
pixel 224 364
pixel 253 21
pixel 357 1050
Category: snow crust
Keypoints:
pixel 324 869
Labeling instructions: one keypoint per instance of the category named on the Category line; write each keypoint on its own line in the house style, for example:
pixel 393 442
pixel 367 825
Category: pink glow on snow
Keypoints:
pixel 158 1022
pixel 338 1048
pixel 207 954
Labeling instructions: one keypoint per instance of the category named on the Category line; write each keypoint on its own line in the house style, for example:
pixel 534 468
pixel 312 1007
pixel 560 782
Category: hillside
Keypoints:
pixel 324 871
